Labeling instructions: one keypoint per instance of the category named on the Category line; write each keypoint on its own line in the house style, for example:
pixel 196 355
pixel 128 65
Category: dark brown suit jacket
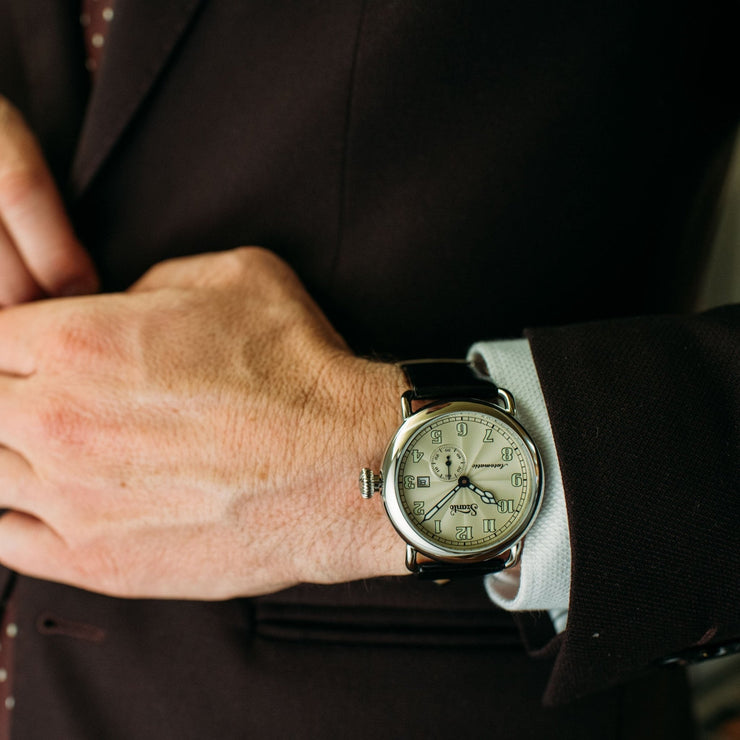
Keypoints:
pixel 437 173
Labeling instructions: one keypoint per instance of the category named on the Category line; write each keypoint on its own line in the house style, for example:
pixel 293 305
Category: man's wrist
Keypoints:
pixel 365 545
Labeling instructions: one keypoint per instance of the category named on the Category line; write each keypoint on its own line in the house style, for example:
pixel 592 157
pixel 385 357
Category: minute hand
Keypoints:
pixel 486 496
pixel 441 503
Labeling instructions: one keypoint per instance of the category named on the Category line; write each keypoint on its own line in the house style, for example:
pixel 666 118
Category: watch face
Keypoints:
pixel 464 480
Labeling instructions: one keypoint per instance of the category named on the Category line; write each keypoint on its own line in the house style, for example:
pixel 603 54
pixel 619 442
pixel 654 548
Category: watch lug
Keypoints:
pixel 515 555
pixel 411 563
pixel 509 405
pixel 406 404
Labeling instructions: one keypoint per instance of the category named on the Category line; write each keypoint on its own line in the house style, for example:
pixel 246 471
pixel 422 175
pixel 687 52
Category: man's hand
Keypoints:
pixel 39 253
pixel 199 436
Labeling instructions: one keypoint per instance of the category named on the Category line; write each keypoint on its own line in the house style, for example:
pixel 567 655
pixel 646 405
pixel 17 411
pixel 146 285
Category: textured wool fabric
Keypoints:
pixel 543 580
pixel 669 480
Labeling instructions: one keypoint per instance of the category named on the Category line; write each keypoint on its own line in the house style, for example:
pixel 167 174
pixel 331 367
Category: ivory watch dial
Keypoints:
pixel 467 482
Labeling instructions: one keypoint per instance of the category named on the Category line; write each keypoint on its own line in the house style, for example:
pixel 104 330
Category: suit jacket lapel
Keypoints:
pixel 142 37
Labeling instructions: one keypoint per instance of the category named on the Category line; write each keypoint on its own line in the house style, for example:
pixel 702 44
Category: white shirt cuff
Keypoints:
pixel 542 580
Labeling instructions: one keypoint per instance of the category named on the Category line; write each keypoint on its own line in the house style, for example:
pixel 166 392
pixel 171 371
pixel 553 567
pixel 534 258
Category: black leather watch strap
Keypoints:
pixel 440 379
pixel 441 571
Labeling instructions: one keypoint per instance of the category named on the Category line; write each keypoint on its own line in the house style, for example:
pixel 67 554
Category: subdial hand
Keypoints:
pixel 486 496
pixel 441 503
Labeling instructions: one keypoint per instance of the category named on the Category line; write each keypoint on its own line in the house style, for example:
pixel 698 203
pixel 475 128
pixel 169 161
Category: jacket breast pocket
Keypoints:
pixel 388 611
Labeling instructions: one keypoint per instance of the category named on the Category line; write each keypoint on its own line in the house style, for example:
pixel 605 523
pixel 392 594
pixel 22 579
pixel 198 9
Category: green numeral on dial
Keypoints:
pixel 506 505
pixel 464 533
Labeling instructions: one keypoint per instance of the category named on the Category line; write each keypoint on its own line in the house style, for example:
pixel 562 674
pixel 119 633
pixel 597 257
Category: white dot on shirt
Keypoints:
pixel 97 40
pixel 11 630
pixel 3 675
pixel 9 702
pixel 108 14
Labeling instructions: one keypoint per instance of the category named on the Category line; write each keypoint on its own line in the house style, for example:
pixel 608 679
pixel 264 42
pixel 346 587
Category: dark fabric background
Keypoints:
pixel 437 173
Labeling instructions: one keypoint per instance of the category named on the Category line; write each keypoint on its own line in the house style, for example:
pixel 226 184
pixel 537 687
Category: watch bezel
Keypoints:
pixel 392 500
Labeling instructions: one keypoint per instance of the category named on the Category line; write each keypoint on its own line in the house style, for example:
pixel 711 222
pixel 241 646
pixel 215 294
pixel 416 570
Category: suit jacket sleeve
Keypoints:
pixel 645 417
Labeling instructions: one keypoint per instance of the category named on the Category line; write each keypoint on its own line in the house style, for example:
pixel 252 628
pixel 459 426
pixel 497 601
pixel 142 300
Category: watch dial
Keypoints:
pixel 466 482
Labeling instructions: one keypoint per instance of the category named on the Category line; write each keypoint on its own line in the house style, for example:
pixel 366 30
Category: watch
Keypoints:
pixel 461 479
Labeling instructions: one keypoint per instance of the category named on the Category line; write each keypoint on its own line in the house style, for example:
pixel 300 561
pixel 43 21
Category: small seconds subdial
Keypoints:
pixel 448 462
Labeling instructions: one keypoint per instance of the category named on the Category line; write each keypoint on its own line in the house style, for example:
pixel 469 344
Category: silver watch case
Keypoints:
pixel 413 421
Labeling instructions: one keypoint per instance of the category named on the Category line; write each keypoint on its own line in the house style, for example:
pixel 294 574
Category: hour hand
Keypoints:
pixel 486 496
pixel 441 503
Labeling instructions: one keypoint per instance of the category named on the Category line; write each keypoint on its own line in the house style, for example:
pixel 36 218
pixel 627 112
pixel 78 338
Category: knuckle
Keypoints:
pixel 111 576
pixel 82 338
pixel 162 274
pixel 265 270
pixel 159 269
pixel 62 423
pixel 229 267
pixel 257 257
pixel 243 254
pixel 97 568
pixel 238 259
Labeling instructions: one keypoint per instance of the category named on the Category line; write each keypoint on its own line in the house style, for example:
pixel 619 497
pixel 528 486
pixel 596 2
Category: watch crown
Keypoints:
pixel 370 483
